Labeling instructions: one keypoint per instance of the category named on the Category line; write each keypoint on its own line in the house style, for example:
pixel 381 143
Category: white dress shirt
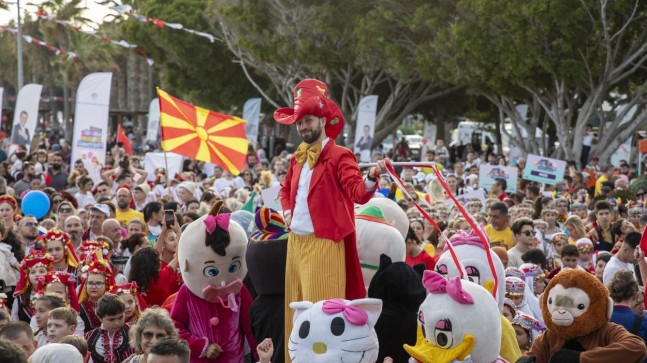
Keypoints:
pixel 301 223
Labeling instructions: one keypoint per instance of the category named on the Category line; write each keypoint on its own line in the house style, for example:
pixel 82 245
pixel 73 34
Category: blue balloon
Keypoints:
pixel 35 203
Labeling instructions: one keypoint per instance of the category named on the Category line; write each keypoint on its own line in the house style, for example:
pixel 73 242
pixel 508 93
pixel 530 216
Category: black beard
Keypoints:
pixel 314 135
pixel 56 167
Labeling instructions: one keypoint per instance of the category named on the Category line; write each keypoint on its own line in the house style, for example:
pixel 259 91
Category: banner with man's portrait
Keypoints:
pixel 365 129
pixel 26 116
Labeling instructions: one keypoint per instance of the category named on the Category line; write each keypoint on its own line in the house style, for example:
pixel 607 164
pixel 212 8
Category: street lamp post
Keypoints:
pixel 19 49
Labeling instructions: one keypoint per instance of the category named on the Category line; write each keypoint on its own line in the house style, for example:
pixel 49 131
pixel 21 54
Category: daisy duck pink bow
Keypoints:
pixel 353 314
pixel 435 283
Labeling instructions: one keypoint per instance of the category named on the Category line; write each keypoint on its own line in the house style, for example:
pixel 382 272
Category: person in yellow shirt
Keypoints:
pixel 498 231
pixel 607 173
pixel 125 213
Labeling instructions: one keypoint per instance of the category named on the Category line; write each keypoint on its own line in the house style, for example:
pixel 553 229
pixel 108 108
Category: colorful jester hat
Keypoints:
pixel 271 225
pixel 64 278
pixel 64 238
pixel 311 98
pixel 131 288
pixel 98 266
pixel 35 258
pixel 458 321
pixel 376 236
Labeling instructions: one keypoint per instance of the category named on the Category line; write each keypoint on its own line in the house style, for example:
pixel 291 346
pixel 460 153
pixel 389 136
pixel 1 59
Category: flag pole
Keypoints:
pixel 168 175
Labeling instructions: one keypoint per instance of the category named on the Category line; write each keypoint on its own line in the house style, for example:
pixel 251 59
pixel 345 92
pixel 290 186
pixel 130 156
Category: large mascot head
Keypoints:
pixel 212 257
pixel 457 320
pixel 575 303
pixel 393 213
pixel 473 256
pixel 376 236
pixel 335 331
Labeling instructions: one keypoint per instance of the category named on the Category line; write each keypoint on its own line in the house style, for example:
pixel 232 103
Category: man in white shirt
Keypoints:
pixel 524 235
pixel 625 259
pixel 322 183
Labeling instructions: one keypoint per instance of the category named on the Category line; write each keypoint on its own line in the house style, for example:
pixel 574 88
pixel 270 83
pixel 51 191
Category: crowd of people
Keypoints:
pixel 95 272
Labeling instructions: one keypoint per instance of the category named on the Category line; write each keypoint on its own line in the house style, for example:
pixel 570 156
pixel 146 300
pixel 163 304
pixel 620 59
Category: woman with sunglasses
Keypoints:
pixel 154 324
pixel 64 210
pixel 524 235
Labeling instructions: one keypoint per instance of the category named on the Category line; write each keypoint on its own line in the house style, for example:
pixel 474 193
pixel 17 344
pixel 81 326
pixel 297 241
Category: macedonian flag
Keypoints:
pixel 202 134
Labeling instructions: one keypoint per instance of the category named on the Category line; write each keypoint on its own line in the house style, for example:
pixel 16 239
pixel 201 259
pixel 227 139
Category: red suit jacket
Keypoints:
pixel 335 185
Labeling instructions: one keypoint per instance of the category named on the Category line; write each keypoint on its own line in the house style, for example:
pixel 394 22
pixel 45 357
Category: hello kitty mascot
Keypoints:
pixel 211 309
pixel 335 330
pixel 457 322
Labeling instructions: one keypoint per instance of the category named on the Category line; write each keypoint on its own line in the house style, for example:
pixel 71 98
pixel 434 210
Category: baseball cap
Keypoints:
pixel 102 208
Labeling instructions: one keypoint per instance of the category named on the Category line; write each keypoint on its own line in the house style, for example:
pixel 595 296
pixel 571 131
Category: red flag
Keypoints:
pixel 122 138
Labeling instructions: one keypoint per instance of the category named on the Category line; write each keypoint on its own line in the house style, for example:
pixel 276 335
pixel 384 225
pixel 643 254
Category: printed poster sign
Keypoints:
pixel 544 170
pixel 488 173
pixel 91 122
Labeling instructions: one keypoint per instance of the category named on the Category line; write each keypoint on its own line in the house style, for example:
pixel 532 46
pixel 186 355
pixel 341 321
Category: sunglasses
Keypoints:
pixel 528 233
pixel 65 210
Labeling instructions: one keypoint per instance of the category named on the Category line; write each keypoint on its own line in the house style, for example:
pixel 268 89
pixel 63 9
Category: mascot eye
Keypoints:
pixel 473 274
pixel 337 326
pixel 441 269
pixel 211 271
pixel 304 329
pixel 443 333
pixel 550 301
pixel 234 267
pixel 581 306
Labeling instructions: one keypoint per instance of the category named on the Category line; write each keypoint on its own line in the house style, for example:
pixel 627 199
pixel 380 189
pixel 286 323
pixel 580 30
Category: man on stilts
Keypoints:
pixel 317 197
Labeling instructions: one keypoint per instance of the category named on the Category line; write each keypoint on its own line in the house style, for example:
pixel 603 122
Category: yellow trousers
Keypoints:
pixel 315 270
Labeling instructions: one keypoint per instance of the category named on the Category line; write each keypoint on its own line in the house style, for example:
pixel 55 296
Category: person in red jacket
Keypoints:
pixel 317 196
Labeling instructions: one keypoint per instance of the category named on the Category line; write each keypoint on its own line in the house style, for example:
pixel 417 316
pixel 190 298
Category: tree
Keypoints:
pixel 569 61
pixel 353 46
pixel 190 66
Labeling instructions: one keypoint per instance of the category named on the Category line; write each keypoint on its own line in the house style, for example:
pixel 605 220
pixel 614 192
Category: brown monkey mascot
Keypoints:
pixel 576 308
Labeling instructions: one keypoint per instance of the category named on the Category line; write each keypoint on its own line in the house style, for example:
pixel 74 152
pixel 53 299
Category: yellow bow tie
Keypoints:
pixel 311 153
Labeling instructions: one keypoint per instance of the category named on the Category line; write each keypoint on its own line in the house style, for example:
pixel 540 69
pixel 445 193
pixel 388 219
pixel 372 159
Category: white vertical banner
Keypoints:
pixel 152 132
pixel 91 122
pixel 365 128
pixel 26 115
pixel 252 114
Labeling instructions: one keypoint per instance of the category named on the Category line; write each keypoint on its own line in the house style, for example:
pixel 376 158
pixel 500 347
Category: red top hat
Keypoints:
pixel 311 98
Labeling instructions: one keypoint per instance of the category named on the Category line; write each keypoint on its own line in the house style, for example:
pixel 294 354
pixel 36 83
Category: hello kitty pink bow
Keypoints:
pixel 220 220
pixel 353 314
pixel 435 283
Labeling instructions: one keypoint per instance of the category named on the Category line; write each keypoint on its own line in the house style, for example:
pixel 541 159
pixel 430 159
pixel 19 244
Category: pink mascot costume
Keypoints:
pixel 211 309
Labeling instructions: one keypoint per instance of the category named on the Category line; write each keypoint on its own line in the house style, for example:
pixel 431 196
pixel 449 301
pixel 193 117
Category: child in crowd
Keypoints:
pixel 557 243
pixel 109 342
pixel 99 280
pixel 515 289
pixel 63 284
pixel 526 327
pixel 585 248
pixel 32 267
pixel 60 323
pixel 78 342
pixel 601 260
pixel 509 309
pixel 570 256
pixel 134 303
pixel 44 304
pixel 59 246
